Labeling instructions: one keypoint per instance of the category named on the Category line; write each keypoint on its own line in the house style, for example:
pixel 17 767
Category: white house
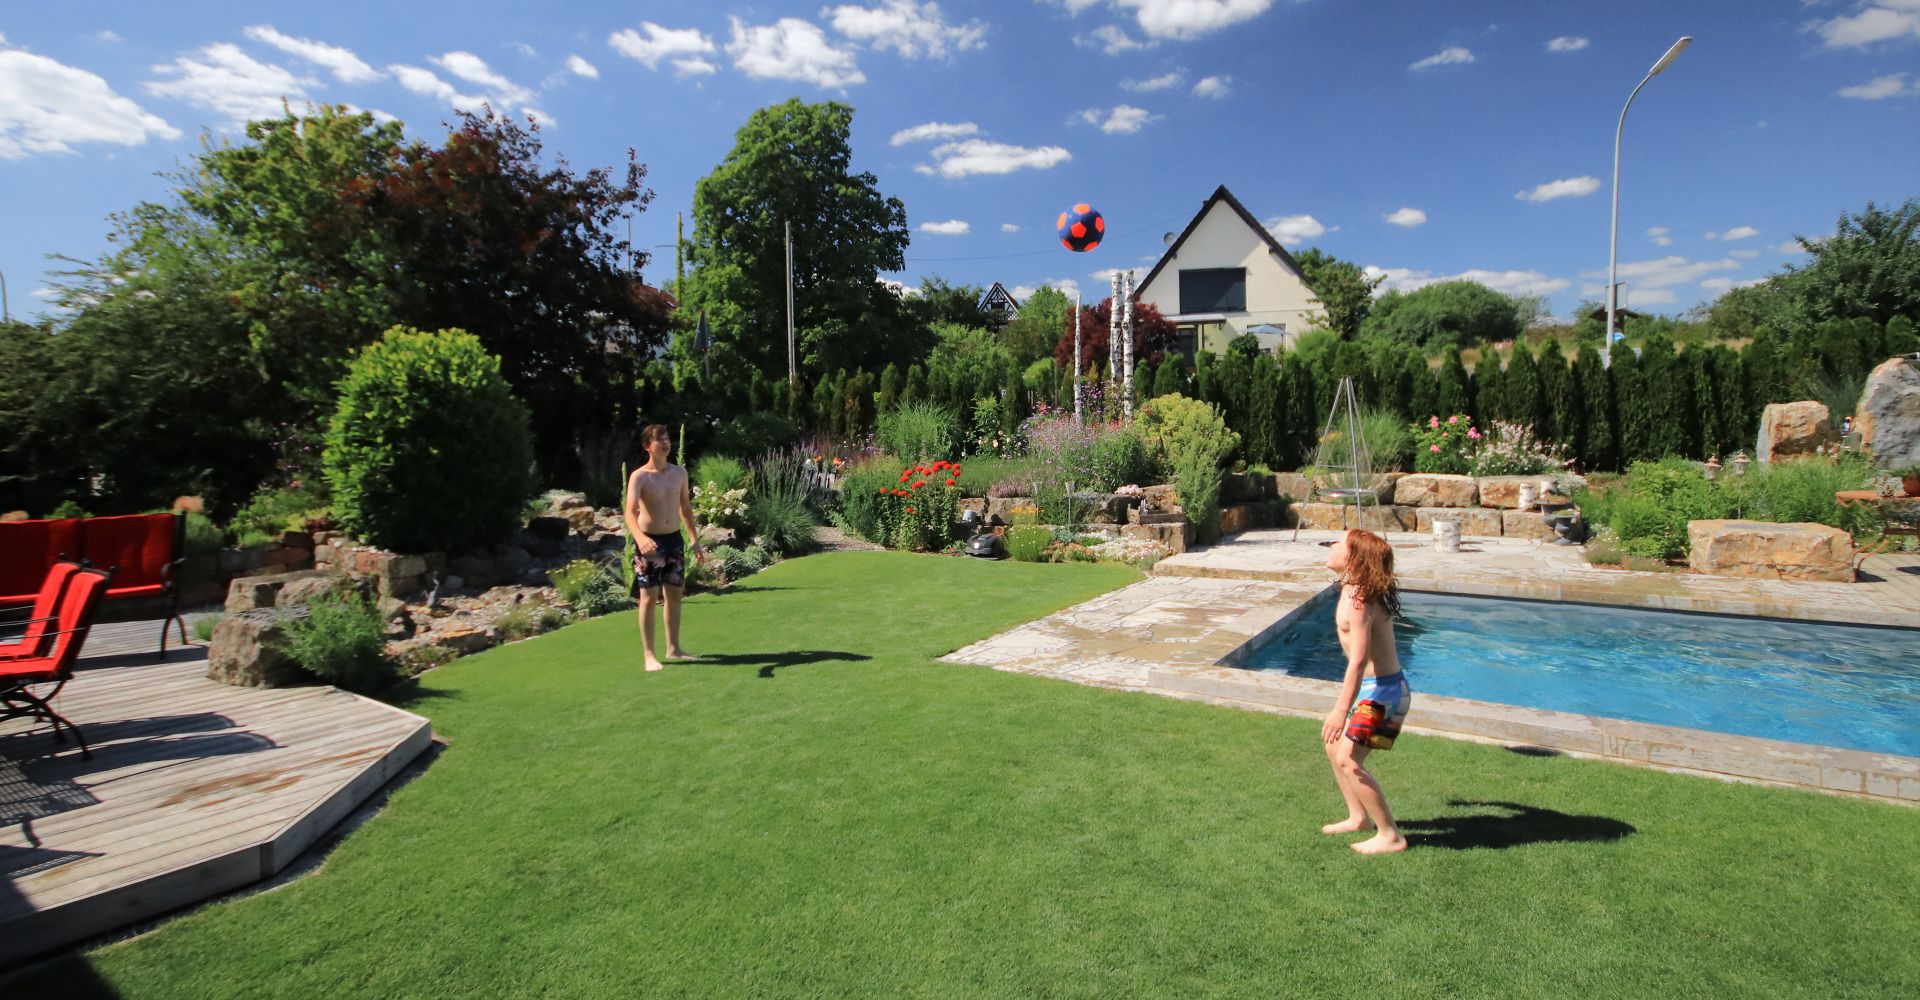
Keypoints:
pixel 1226 276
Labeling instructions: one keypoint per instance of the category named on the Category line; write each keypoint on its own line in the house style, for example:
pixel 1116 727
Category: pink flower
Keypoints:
pixel 1473 433
pixel 1433 421
pixel 1454 419
pixel 1434 448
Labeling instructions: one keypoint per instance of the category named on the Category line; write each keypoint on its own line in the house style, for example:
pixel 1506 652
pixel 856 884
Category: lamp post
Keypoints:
pixel 1613 246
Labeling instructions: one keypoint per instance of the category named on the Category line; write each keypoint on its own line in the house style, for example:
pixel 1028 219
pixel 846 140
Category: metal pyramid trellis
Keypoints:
pixel 1343 469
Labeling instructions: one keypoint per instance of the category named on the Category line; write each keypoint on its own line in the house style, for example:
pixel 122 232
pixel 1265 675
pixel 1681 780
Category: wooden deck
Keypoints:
pixel 195 788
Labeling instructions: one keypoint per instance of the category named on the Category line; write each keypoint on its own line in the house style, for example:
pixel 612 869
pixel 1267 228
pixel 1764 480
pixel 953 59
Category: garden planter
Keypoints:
pixel 1911 484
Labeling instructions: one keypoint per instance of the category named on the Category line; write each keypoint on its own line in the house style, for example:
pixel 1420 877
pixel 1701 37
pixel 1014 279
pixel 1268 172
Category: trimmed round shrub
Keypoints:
pixel 428 449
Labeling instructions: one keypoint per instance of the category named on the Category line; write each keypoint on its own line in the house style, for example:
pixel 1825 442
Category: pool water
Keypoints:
pixel 1831 685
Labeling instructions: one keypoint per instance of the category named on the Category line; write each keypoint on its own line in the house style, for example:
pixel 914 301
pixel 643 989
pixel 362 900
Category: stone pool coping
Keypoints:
pixel 1184 636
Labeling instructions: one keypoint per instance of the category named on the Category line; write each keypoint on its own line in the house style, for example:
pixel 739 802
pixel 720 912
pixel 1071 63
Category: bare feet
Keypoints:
pixel 653 665
pixel 1352 824
pixel 1380 843
pixel 680 654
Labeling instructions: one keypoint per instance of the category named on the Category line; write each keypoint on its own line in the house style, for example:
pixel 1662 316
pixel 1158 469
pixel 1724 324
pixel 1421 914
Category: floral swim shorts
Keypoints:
pixel 665 566
pixel 1378 711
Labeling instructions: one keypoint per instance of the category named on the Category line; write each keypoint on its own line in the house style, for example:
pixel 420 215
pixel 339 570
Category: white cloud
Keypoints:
pixel 1408 217
pixel 661 43
pixel 1124 119
pixel 1292 230
pixel 1445 57
pixel 1567 187
pixel 1736 233
pixel 1880 88
pixel 1403 279
pixel 1188 19
pixel 951 227
pixel 1215 87
pixel 48 107
pixel 1658 235
pixel 1112 40
pixel 104 34
pixel 525 49
pixel 1105 276
pixel 222 78
pixel 581 67
pixel 909 28
pixel 474 69
pixel 426 81
pixel 1008 227
pixel 1567 43
pixel 934 130
pixel 981 156
pixel 1069 287
pixel 1790 248
pixel 1152 84
pixel 1725 284
pixel 1743 254
pixel 694 66
pixel 1879 21
pixel 792 49
pixel 1664 272
pixel 346 67
pixel 1644 297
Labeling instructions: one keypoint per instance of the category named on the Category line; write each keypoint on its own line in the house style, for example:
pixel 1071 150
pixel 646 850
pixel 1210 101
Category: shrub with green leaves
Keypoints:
pixel 779 506
pixel 1174 428
pixel 591 588
pixel 1120 458
pixel 1029 542
pixel 428 449
pixel 285 508
pixel 721 471
pixel 342 640
pixel 1196 484
pixel 1389 439
pixel 919 430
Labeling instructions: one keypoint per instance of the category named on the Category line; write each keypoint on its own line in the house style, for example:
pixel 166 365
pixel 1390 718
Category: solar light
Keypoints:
pixel 1713 468
pixel 1740 463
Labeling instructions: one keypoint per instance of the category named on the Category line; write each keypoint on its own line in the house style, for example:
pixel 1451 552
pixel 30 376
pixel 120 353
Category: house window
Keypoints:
pixel 1186 341
pixel 1213 289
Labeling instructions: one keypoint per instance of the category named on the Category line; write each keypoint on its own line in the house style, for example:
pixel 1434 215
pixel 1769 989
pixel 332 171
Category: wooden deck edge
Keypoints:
pixel 298 835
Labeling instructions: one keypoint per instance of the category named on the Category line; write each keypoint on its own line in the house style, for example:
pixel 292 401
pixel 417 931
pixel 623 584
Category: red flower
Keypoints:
pixel 905 476
pixel 952 483
pixel 883 490
pixel 919 484
pixel 909 510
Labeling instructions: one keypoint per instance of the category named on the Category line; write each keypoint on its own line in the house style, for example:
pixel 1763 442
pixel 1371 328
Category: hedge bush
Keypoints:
pixel 428 449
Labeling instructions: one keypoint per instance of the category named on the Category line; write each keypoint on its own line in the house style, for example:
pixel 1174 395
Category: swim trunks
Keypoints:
pixel 1378 711
pixel 664 567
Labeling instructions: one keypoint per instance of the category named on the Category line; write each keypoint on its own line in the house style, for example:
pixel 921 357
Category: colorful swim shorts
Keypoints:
pixel 1378 711
pixel 664 567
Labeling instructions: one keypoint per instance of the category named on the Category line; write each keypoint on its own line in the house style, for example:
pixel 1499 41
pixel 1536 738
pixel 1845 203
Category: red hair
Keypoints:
pixel 1370 570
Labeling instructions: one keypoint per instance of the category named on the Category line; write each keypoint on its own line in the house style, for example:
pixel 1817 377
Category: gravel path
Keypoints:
pixel 833 539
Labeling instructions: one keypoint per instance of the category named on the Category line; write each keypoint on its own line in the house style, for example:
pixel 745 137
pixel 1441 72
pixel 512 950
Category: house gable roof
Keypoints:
pixel 1222 194
pixel 999 298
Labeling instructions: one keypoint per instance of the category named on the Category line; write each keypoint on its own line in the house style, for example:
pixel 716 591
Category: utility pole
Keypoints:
pixel 793 365
pixel 1126 362
pixel 1079 417
pixel 679 262
pixel 5 315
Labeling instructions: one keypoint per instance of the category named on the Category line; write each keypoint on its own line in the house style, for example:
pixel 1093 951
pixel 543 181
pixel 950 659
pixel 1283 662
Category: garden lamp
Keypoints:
pixel 1613 251
pixel 1740 462
pixel 1713 468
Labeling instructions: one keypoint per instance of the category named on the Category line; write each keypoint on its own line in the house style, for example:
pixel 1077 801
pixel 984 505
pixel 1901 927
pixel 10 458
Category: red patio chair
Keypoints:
pixel 42 612
pixel 55 666
pixel 144 553
pixel 28 549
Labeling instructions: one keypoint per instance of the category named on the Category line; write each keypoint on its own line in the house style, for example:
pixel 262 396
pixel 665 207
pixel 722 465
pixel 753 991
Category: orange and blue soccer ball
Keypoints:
pixel 1081 229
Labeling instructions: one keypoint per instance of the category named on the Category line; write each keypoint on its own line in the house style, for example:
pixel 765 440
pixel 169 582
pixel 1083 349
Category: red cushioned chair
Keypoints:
pixel 42 614
pixel 55 666
pixel 27 550
pixel 144 553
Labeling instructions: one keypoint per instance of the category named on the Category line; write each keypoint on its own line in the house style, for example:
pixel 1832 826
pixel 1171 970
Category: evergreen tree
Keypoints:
pixel 889 395
pixel 1203 378
pixel 1452 387
pixel 1899 338
pixel 1760 378
pixel 1632 408
pixel 1142 382
pixel 1596 446
pixel 1729 399
pixel 1170 377
pixel 1260 435
pixel 1558 419
pixel 1416 387
pixel 1301 412
pixel 1520 388
pixel 1670 425
pixel 1489 399
pixel 1013 400
pixel 915 390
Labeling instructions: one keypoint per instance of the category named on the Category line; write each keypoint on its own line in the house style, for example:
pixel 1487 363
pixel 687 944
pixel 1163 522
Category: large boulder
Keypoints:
pixel 1293 486
pixel 1382 484
pixel 1795 430
pixel 1174 537
pixel 1472 520
pixel 1888 417
pixel 1525 524
pixel 250 593
pixel 1503 492
pixel 249 650
pixel 1766 551
pixel 1427 489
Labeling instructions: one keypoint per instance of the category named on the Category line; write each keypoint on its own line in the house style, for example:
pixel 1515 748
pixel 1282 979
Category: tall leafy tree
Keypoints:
pixel 1447 313
pixel 1520 388
pixel 1559 419
pixel 791 165
pixel 1343 288
pixel 1868 269
pixel 1596 446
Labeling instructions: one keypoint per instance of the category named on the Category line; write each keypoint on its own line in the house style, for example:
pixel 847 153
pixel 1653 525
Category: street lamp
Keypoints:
pixel 1613 249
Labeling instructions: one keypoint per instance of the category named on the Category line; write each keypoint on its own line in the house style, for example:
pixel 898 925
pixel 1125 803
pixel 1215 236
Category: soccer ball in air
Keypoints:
pixel 1081 229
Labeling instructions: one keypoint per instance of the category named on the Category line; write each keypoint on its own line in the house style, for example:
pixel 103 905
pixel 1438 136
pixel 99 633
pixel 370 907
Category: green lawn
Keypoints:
pixel 859 820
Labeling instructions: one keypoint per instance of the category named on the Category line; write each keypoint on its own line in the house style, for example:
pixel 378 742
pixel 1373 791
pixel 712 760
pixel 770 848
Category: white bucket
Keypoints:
pixel 1529 493
pixel 1446 536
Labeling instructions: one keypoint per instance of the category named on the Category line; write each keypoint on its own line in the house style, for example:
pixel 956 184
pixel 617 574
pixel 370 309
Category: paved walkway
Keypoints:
pixel 1183 632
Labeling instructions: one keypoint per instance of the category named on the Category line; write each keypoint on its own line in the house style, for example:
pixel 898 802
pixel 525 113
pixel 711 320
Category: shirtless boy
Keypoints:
pixel 1374 697
pixel 659 501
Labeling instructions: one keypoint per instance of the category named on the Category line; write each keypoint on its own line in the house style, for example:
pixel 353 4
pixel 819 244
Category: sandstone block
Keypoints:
pixel 400 567
pixel 301 588
pixel 1176 537
pixel 1793 430
pixel 296 539
pixel 399 586
pixel 1766 551
pixel 1525 524
pixel 568 501
pixel 14 515
pixel 997 508
pixel 1382 484
pixel 1472 520
pixel 1427 489
pixel 1293 486
pixel 465 641
pixel 1888 417
pixel 1105 508
pixel 249 650
pixel 1384 517
pixel 1159 515
pixel 1324 516
pixel 1503 492
pixel 580 519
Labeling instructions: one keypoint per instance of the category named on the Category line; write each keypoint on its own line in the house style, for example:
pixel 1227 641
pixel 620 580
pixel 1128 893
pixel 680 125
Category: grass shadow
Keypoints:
pixel 769 662
pixel 1512 825
pixel 409 693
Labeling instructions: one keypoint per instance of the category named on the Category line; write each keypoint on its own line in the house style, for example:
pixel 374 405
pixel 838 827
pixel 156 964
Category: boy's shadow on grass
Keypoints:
pixel 1513 826
pixel 769 662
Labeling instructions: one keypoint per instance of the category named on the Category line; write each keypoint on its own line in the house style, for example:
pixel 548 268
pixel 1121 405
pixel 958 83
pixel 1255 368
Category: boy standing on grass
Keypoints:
pixel 1374 696
pixel 659 501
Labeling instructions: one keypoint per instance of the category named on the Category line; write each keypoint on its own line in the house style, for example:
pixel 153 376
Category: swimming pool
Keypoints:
pixel 1832 685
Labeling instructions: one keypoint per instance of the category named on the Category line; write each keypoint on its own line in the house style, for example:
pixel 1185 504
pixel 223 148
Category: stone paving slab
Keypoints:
pixel 1184 631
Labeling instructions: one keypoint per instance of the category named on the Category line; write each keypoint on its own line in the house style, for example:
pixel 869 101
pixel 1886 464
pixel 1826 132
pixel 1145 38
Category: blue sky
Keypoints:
pixel 1426 140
